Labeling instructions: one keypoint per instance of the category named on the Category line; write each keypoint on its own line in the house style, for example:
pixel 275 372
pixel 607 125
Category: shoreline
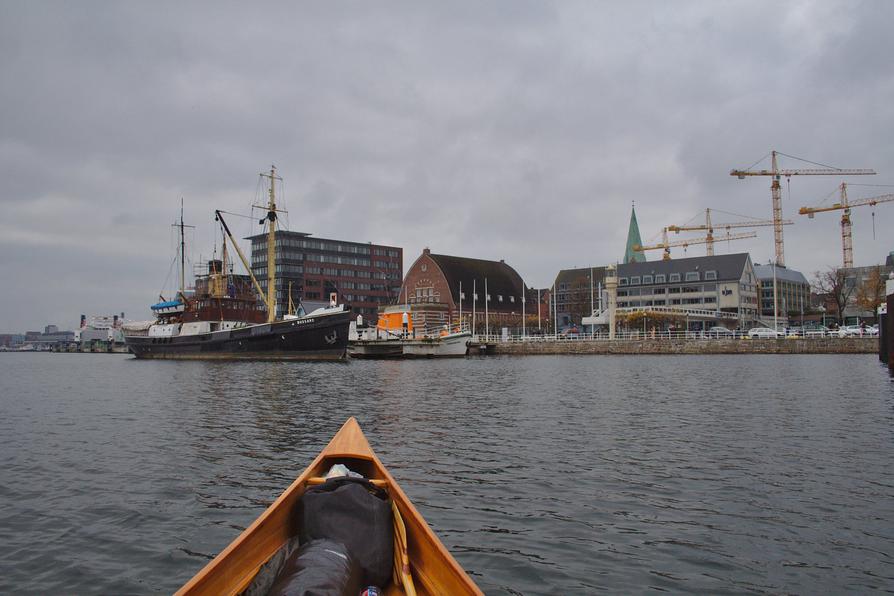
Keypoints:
pixel 846 345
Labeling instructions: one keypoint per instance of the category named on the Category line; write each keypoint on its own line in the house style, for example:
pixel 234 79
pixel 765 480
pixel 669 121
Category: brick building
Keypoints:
pixel 437 287
pixel 364 275
pixel 577 294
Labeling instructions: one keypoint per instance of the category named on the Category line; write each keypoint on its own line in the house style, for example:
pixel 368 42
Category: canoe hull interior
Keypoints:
pixel 434 570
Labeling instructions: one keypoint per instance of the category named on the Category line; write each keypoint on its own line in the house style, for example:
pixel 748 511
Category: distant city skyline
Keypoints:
pixel 521 131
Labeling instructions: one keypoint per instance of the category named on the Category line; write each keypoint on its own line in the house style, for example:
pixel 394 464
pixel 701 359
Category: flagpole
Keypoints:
pixel 555 311
pixel 539 328
pixel 523 310
pixel 486 319
pixel 474 300
pixel 592 301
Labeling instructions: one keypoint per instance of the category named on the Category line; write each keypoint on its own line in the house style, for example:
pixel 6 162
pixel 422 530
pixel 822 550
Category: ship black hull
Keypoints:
pixel 323 337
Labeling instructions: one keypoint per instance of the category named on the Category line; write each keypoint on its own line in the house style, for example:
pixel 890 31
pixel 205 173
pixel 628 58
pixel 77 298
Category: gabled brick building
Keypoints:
pixel 437 287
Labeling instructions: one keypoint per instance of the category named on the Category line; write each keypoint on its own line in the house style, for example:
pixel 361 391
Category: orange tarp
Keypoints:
pixel 393 321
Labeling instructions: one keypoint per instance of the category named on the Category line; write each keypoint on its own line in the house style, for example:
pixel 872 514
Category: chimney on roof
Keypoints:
pixel 426 251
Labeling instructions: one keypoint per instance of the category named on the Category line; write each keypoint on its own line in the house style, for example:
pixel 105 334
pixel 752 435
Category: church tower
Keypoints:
pixel 630 255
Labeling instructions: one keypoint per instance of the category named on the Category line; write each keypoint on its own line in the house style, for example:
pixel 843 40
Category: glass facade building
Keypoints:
pixel 792 290
pixel 364 275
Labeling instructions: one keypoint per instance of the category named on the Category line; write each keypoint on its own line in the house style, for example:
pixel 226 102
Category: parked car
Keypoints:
pixel 720 333
pixel 764 333
pixel 818 331
pixel 873 331
pixel 850 331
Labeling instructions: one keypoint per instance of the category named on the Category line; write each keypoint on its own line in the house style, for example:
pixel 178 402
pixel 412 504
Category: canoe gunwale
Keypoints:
pixel 231 571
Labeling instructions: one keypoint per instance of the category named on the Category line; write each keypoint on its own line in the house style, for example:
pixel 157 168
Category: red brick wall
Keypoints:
pixel 425 273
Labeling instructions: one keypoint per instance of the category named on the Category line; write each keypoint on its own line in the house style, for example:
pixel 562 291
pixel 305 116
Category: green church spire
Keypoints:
pixel 630 255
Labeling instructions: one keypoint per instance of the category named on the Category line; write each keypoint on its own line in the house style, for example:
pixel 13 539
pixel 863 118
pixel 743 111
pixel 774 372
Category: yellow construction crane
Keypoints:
pixel 709 226
pixel 776 191
pixel 684 243
pixel 847 244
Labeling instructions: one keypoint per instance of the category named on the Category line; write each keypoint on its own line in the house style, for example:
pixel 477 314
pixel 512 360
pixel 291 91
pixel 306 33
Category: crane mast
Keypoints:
pixel 776 191
pixel 847 242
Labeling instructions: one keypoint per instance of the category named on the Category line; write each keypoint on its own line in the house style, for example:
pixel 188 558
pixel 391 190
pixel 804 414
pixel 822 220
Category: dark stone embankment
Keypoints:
pixel 847 345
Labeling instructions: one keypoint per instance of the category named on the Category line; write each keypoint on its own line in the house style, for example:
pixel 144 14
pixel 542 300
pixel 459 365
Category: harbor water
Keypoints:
pixel 542 475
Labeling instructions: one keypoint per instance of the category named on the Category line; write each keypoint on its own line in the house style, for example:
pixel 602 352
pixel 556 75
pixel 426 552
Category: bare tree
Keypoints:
pixel 871 293
pixel 835 287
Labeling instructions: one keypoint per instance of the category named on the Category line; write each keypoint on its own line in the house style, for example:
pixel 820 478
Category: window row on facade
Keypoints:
pixel 666 290
pixel 312 244
pixel 284 244
pixel 672 301
pixel 660 278
pixel 299 269
pixel 260 257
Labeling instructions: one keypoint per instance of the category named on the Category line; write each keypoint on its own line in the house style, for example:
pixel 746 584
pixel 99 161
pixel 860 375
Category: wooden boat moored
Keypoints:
pixel 430 567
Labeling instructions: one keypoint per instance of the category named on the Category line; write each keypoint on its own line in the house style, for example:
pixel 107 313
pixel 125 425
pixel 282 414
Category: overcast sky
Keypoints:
pixel 514 130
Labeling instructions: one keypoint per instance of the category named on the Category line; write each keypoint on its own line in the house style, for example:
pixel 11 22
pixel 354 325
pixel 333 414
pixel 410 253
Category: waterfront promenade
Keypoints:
pixel 640 343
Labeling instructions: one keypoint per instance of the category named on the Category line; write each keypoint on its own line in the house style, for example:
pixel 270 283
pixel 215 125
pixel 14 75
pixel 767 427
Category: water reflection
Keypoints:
pixel 542 475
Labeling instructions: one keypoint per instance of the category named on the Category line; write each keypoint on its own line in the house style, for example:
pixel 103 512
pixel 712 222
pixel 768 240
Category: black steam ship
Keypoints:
pixel 228 317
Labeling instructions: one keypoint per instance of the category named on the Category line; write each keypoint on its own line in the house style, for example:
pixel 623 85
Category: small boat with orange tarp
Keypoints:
pixel 422 565
pixel 396 335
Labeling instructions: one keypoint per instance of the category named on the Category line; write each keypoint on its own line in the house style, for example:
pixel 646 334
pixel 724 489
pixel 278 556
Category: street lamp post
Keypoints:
pixel 523 311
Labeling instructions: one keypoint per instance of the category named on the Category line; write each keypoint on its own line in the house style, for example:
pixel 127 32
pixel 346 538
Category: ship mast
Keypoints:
pixel 181 225
pixel 271 245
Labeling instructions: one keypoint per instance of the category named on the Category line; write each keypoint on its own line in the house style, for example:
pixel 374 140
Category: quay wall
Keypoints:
pixel 845 345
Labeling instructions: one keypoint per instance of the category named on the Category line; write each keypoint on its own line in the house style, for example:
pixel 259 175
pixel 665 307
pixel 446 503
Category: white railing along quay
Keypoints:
pixel 652 336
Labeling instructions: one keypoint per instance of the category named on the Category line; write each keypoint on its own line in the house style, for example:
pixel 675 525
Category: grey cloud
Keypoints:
pixel 516 130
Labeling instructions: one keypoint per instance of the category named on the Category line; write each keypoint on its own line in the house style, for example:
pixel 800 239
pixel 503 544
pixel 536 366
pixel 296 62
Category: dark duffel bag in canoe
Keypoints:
pixel 357 514
pixel 318 567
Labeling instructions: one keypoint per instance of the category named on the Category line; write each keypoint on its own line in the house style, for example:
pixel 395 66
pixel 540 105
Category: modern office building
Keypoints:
pixel 719 289
pixel 364 275
pixel 792 290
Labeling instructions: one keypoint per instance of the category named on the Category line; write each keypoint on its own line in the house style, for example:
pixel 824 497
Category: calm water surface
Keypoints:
pixel 543 475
